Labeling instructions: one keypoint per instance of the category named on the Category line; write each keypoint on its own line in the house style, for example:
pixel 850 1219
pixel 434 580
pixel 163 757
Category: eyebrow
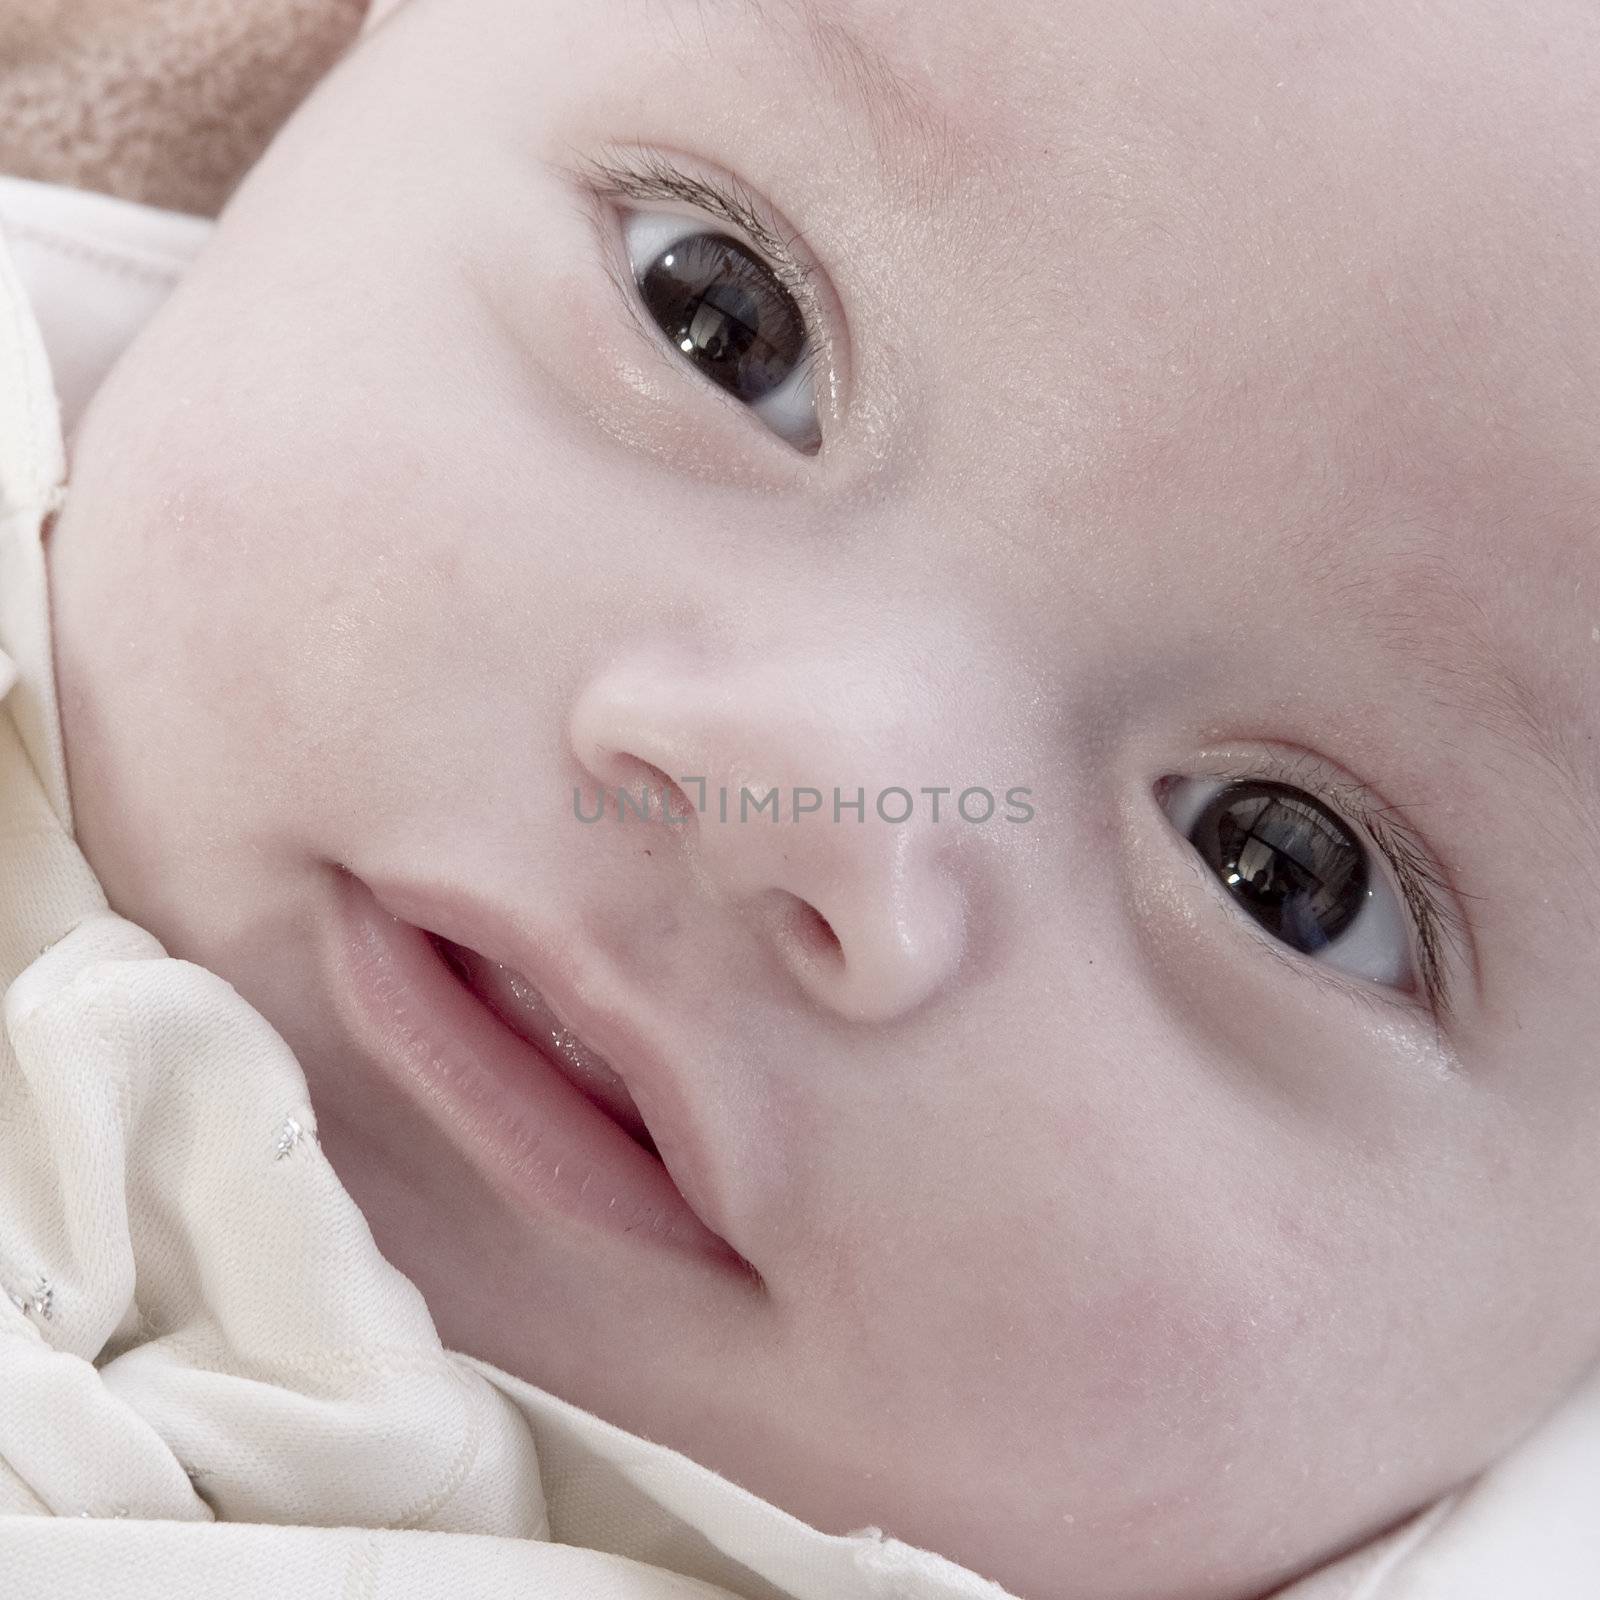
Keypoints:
pixel 1434 630
pixel 916 141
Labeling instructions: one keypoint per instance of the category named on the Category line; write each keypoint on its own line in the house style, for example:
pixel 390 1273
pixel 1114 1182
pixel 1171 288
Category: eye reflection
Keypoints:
pixel 721 305
pixel 1287 860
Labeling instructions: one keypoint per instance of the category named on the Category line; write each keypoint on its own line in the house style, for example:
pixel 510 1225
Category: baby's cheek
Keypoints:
pixel 1185 1399
pixel 1207 1269
pixel 1181 1355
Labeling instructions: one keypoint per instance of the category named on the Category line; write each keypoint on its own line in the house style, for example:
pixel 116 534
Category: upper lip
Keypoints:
pixel 656 1088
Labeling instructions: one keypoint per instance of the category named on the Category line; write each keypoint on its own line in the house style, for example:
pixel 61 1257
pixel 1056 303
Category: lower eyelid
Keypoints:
pixel 1375 997
pixel 803 379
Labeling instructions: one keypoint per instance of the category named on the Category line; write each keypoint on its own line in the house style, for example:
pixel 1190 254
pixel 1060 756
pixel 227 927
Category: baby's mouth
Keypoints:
pixel 528 1014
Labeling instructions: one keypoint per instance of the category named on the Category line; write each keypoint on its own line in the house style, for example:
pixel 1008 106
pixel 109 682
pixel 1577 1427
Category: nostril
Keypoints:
pixel 879 956
pixel 667 794
pixel 674 802
pixel 822 934
pixel 807 932
pixel 640 788
pixel 651 780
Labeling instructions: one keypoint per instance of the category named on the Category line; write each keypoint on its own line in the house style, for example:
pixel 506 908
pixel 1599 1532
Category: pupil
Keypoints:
pixel 725 309
pixel 724 323
pixel 1292 864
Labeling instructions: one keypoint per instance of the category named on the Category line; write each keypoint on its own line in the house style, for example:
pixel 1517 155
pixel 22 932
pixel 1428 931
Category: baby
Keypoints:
pixel 897 703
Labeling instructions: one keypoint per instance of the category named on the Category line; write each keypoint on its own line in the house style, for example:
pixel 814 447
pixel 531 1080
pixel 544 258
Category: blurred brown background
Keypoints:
pixel 165 101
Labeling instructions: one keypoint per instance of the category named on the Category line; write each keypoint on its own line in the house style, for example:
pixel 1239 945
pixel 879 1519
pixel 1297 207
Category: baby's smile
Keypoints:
pixel 530 1105
pixel 1183 416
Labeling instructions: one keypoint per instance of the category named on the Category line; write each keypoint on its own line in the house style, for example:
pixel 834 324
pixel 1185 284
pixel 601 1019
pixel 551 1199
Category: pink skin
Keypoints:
pixel 1102 1244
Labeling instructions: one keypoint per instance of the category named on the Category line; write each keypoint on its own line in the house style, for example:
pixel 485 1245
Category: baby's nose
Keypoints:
pixel 805 803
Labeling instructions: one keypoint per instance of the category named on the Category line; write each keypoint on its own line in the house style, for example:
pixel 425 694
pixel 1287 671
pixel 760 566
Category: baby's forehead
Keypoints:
pixel 1146 79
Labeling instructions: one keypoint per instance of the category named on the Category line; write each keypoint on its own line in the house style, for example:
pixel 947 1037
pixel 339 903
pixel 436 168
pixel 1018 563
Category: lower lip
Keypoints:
pixel 500 1100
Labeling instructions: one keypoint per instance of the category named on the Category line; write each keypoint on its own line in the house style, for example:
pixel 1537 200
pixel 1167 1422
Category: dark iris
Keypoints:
pixel 1290 862
pixel 726 310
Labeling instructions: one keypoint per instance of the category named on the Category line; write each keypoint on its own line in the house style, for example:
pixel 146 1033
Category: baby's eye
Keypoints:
pixel 1298 870
pixel 727 311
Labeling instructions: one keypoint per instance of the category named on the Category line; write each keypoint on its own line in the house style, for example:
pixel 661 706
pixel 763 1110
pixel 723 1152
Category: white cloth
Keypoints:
pixel 212 1384
pixel 94 267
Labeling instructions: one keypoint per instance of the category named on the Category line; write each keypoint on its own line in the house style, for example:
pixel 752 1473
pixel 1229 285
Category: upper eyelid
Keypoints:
pixel 652 175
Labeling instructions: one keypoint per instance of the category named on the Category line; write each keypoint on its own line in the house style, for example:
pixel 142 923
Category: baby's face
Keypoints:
pixel 1151 1195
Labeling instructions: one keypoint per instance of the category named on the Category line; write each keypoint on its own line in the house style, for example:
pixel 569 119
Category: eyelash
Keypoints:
pixel 1422 883
pixel 653 175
